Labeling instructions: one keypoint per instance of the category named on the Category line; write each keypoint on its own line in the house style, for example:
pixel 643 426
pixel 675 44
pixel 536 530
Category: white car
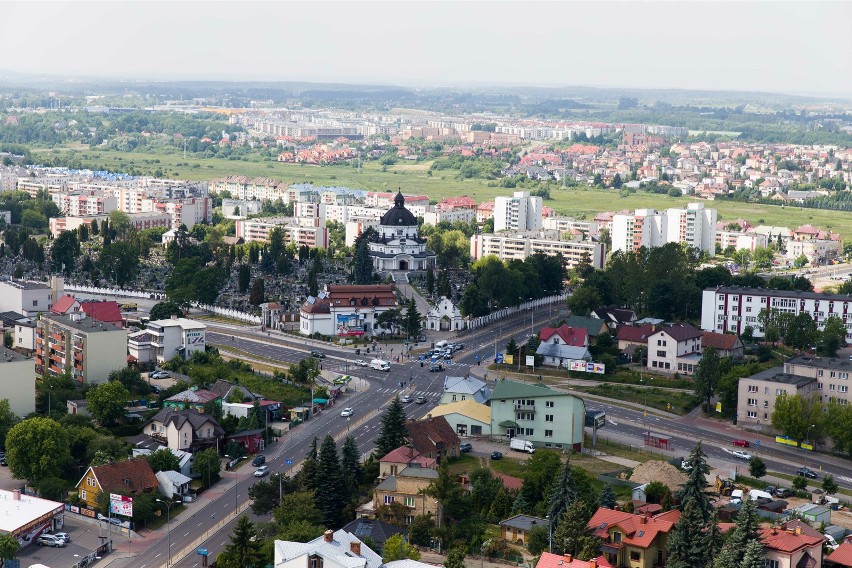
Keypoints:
pixel 347 412
pixel 742 454
pixel 159 375
pixel 261 471
pixel 360 362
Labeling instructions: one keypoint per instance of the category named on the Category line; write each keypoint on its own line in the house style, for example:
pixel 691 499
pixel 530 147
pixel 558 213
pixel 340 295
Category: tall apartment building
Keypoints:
pixel 695 226
pixel 81 205
pixel 520 245
pixel 740 240
pixel 521 212
pixel 732 308
pixel 16 381
pixel 187 211
pixel 258 229
pixel 241 187
pixel 89 349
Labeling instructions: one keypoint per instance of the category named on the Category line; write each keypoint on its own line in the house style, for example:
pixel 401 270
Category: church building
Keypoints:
pixel 396 244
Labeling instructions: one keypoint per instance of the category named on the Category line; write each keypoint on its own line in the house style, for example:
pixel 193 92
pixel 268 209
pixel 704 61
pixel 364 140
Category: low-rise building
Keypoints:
pixel 465 417
pixel 131 476
pixel 408 488
pixel 548 560
pixel 627 539
pixel 187 430
pixel 757 394
pixel 403 457
pixel 240 208
pixel 433 437
pixel 173 483
pixel 614 316
pixel 25 297
pixel 346 310
pixel 25 517
pixel 517 529
pixel 338 549
pixel 163 339
pixel 674 348
pixel 832 375
pixel 791 548
pixel 90 349
pixel 259 229
pixel 23 330
pixel 465 388
pixel 17 381
pixel 445 316
pixel 560 345
pixel 725 344
pixel 546 417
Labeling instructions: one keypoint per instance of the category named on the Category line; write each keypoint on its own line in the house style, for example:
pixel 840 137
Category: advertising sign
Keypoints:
pixel 508 359
pixel 530 361
pixel 349 325
pixel 121 505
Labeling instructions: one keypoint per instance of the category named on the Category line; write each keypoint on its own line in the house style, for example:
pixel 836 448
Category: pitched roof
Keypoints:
pixel 463 385
pixel 637 334
pixel 194 395
pixel 467 408
pixel 640 530
pixel 509 482
pixel 102 311
pixel 842 556
pixel 175 477
pixel 180 417
pixel 130 476
pixel 374 529
pixel 405 454
pixel 338 550
pixel 564 351
pixel 431 434
pixel 593 326
pixel 788 541
pixel 548 560
pixel 680 331
pixel 63 304
pixel 615 314
pixel 721 341
pixel 569 335
pixel 505 388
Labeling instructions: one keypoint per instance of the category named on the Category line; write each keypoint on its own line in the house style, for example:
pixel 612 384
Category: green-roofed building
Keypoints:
pixel 548 418
pixel 594 327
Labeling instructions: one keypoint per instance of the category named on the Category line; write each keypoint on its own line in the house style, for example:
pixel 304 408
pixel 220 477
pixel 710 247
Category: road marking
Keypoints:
pixel 187 534
pixel 158 555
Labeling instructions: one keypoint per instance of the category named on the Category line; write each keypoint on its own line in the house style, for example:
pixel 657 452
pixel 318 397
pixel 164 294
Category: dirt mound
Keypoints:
pixel 661 471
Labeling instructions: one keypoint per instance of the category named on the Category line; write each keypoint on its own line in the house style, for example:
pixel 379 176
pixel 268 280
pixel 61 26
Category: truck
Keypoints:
pixel 522 445
pixel 380 365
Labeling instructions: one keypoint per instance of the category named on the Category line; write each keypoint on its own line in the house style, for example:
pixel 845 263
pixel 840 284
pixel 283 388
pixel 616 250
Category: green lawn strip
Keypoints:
pixel 811 485
pixel 222 319
pixel 237 351
pixel 621 376
pixel 160 521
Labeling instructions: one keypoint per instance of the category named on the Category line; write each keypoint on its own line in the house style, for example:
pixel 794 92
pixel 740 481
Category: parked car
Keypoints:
pixel 406 399
pixel 783 492
pixel 742 454
pixel 63 536
pixel 420 400
pixel 809 473
pixel 436 368
pixel 160 375
pixel 741 443
pixel 317 354
pixel 258 460
pixel 261 471
pixel 458 346
pixel 50 540
pixel 347 412
pixel 465 447
pixel 771 489
pixel 496 455
pixel 360 362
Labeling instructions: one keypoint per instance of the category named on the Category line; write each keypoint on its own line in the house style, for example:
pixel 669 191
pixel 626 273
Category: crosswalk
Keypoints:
pixel 413 393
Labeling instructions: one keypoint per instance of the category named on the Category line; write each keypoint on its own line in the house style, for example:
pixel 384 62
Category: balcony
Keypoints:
pixel 526 407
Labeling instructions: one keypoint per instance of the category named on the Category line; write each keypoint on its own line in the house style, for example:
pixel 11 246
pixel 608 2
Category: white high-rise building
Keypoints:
pixel 644 228
pixel 694 225
pixel 517 213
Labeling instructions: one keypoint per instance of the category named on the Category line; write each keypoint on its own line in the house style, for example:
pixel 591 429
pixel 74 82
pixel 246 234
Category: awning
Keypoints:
pixel 320 400
pixel 509 424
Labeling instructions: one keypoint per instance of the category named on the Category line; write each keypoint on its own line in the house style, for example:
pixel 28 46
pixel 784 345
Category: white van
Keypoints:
pixel 440 345
pixel 522 445
pixel 379 365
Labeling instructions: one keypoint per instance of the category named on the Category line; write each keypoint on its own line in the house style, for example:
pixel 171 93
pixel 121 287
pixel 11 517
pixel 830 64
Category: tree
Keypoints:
pixel 754 556
pixel 300 531
pixel 800 482
pixel 119 262
pixel 332 498
pixel 455 558
pixel 9 547
pixel 562 494
pixel 396 548
pixel 207 464
pixel 511 346
pixel 350 465
pixel 7 419
pixel 53 488
pixel 310 468
pixel 362 269
pixel 607 497
pixel 64 253
pixel 707 376
pixel 833 336
pixel 37 448
pixel 244 549
pixel 794 415
pixel 583 301
pixel 257 292
pixel 746 531
pixel 686 544
pixel 119 222
pixel 657 492
pixel 243 278
pixel 538 540
pixel 695 489
pixel 829 485
pixel 420 529
pixel 430 280
pixel 394 433
pixel 573 535
pixel 165 310
pixel 413 324
pixel 106 402
pixel 757 467
pixel 163 460
pixel 298 506
pixel 501 507
pixel 838 425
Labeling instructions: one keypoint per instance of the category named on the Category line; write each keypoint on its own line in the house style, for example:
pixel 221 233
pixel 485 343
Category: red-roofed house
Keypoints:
pixel 509 482
pixel 805 232
pixel 65 305
pixel 840 557
pixel 636 336
pixel 401 458
pixel 484 211
pixel 564 343
pixel 548 560
pixel 638 541
pixel 725 344
pixel 674 348
pixel 107 312
pixel 791 547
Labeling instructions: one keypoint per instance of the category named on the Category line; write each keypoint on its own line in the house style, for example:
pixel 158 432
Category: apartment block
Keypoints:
pixel 25 297
pixel 740 240
pixel 88 348
pixel 385 200
pixel 163 339
pixel 570 225
pixel 521 212
pixel 643 228
pixel 832 376
pixel 16 381
pixel 258 229
pixel 695 226
pixel 187 211
pixel 139 221
pixel 520 245
pixel 240 208
pixel 81 205
pixel 732 308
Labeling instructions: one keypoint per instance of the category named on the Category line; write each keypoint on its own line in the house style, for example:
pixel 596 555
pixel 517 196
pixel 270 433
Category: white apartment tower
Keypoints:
pixel 644 228
pixel 695 226
pixel 517 213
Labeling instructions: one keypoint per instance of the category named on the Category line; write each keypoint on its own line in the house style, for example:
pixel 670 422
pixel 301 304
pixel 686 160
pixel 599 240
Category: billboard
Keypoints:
pixel 121 505
pixel 349 324
pixel 585 366
pixel 530 361
pixel 508 359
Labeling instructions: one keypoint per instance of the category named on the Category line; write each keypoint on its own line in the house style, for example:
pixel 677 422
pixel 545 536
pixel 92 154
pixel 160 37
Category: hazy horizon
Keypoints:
pixel 775 47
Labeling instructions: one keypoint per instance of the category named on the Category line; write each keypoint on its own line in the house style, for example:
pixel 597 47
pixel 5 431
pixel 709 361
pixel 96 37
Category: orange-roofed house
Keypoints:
pixel 840 557
pixel 548 560
pixel 630 540
pixel 792 546
pixel 562 344
pixel 402 457
pixel 725 344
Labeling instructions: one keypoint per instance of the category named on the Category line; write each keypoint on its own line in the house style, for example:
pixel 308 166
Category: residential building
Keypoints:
pixel 520 245
pixel 86 347
pixel 594 327
pixel 187 430
pixel 570 225
pixel 338 549
pixel 139 221
pixel 560 345
pixel 627 539
pixel 396 244
pixel 516 529
pixel 445 316
pixel 614 316
pixel 465 388
pixel 407 487
pixel 403 457
pixel 695 226
pixel 840 558
pixel 548 560
pixel 725 344
pixel 163 339
pixel 546 417
pixel 674 348
pixel 791 548
pixel 173 484
pixel 740 240
pixel 642 228
pixel 85 204
pixel 131 476
pixel 17 382
pixel 433 437
pixel 346 310
pixel 732 308
pixel 25 297
pixel 521 212
pixel 25 517
pixel 465 417
pixel 186 211
pixel 259 229
pixel 832 376
pixel 144 445
pixel 240 208
pixel 756 395
pixel 23 331
pixel 377 531
pixel 817 251
pixel 193 398
pixel 385 200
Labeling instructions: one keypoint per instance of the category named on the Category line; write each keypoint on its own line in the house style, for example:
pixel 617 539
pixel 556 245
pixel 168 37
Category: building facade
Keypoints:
pixel 521 212
pixel 17 382
pixel 346 310
pixel 88 348
pixel 518 246
pixel 396 244
pixel 674 348
pixel 25 297
pixel 163 339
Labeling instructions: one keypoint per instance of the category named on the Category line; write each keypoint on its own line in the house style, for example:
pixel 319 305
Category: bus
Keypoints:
pixel 128 308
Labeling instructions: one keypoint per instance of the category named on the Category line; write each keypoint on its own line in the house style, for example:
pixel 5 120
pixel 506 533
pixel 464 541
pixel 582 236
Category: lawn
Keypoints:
pixel 413 178
pixel 677 402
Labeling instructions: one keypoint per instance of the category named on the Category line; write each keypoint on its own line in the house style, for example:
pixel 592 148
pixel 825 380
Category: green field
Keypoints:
pixel 412 178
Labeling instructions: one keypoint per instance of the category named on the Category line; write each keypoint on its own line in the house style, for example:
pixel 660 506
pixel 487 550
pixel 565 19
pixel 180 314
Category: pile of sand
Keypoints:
pixel 661 471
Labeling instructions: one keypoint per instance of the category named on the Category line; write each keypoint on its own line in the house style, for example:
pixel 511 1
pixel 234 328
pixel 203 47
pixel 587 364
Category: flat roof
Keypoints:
pixel 86 324
pixel 184 323
pixel 26 284
pixel 777 375
pixel 17 514
pixel 780 293
pixel 821 362
pixel 7 356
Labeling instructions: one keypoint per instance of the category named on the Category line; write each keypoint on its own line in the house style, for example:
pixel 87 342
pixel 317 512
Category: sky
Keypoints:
pixel 777 46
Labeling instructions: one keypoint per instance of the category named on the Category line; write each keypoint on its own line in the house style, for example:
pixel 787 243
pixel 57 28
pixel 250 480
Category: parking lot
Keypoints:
pixel 85 538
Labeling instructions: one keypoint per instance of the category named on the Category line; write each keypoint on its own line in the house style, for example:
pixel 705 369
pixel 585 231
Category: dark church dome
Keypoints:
pixel 398 215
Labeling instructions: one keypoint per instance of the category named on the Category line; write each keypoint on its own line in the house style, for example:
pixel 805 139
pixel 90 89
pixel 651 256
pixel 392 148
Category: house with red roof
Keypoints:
pixel 725 344
pixel 548 560
pixel 627 539
pixel 792 546
pixel 562 344
pixel 402 457
pixel 107 312
pixel 65 305
pixel 674 348
pixel 842 557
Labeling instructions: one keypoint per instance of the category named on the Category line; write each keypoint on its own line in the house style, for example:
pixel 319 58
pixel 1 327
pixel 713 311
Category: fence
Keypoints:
pixel 511 310
pixel 229 313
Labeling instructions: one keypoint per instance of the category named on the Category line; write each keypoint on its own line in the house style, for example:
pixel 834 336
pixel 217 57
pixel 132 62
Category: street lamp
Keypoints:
pixel 549 534
pixel 808 435
pixel 645 412
pixel 169 504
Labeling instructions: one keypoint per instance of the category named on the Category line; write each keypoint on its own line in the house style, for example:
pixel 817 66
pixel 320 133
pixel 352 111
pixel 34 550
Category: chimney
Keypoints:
pixel 774 530
pixel 593 563
pixel 16 495
pixel 355 547
pixel 643 520
pixel 568 558
pixel 798 527
pixel 328 535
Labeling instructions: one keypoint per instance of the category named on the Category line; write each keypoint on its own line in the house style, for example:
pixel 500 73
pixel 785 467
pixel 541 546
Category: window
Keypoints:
pixel 772 564
pixel 548 404
pixel 476 430
pixel 831 387
pixel 548 418
pixel 752 414
pixel 90 481
pixel 843 388
pixel 634 555
pixel 388 499
pixel 528 431
pixel 409 519
pixel 454 398
pixel 752 402
pixel 752 388
pixel 548 433
pixel 83 494
pixel 616 537
pixel 35 302
pixel 661 353
pixel 410 502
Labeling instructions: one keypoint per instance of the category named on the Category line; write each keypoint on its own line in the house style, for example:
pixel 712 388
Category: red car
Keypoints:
pixel 741 443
